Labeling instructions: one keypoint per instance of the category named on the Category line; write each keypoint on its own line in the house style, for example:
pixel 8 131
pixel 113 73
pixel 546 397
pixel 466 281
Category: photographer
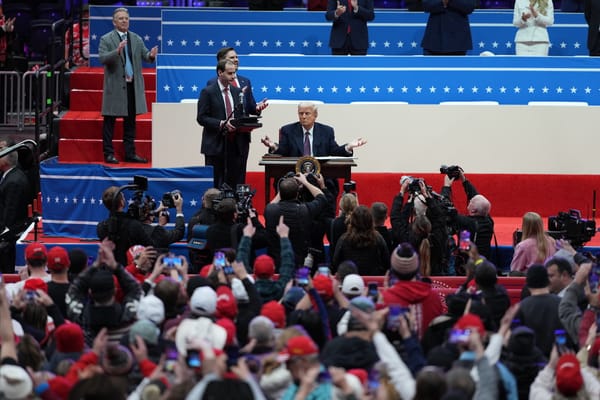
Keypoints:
pixel 121 228
pixel 478 222
pixel 206 215
pixel 299 216
pixel 421 223
pixel 226 232
pixel 162 237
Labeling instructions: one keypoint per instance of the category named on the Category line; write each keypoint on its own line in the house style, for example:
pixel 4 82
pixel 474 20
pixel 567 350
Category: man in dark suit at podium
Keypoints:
pixel 309 138
pixel 223 146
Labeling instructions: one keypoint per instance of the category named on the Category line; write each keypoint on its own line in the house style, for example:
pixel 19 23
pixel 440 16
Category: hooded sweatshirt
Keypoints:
pixel 418 295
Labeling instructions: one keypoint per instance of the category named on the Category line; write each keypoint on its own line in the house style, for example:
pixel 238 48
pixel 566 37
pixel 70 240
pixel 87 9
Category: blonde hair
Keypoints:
pixel 533 227
pixel 421 227
pixel 542 6
pixel 348 202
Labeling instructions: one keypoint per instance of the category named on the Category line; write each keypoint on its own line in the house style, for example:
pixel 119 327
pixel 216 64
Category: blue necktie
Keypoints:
pixel 128 66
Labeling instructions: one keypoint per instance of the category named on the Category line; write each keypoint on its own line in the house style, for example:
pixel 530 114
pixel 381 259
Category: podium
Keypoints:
pixel 277 166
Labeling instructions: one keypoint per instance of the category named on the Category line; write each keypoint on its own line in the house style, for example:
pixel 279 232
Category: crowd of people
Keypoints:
pixel 259 312
pixel 264 317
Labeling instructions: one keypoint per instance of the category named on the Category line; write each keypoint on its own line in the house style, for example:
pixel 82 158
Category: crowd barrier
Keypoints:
pixel 19 97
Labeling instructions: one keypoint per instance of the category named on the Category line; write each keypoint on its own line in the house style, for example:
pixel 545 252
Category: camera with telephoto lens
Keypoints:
pixel 168 199
pixel 349 187
pixel 453 171
pixel 414 186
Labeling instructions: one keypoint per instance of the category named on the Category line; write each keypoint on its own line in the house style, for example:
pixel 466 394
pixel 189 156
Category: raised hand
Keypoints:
pixel 340 9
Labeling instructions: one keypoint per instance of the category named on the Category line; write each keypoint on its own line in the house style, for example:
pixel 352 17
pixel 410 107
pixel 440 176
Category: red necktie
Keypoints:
pixel 306 143
pixel 228 107
pixel 350 11
pixel 228 110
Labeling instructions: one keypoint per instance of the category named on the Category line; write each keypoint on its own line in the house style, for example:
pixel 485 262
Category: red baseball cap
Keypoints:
pixel 58 259
pixel 36 251
pixel 298 346
pixel 133 252
pixel 568 375
pixel 324 286
pixel 469 321
pixel 35 284
pixel 275 311
pixel 264 266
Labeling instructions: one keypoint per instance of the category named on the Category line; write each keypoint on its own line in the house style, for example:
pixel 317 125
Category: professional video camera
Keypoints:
pixel 570 226
pixel 453 171
pixel 243 198
pixel 141 205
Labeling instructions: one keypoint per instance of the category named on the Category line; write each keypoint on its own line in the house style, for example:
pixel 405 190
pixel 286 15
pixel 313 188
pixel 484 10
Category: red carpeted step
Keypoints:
pixel 88 125
pixel 80 128
pixel 90 150
pixel 91 100
pixel 93 77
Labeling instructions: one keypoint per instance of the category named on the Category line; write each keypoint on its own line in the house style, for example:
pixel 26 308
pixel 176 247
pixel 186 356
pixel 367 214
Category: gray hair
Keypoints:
pixel 120 9
pixel 307 104
pixel 11 158
pixel 262 329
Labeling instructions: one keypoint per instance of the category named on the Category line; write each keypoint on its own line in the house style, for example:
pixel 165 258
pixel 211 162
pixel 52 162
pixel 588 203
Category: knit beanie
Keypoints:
pixel 404 264
pixel 69 338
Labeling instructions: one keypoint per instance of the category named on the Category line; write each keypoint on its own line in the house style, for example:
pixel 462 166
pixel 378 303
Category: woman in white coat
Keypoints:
pixel 532 17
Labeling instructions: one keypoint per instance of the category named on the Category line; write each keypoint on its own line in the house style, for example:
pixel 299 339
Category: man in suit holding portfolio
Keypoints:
pixel 223 146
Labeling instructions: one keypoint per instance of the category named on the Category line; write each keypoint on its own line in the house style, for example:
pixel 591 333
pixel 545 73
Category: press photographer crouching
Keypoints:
pixel 121 228
pixel 421 222
pixel 478 221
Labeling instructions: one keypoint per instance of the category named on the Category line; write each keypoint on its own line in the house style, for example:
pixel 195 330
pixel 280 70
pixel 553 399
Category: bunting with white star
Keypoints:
pixel 205 31
pixel 416 80
pixel 391 33
pixel 72 194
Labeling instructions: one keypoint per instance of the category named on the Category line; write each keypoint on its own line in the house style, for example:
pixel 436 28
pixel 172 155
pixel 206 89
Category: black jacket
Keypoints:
pixel 162 237
pixel 299 217
pixel 80 308
pixel 481 228
pixel 127 232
